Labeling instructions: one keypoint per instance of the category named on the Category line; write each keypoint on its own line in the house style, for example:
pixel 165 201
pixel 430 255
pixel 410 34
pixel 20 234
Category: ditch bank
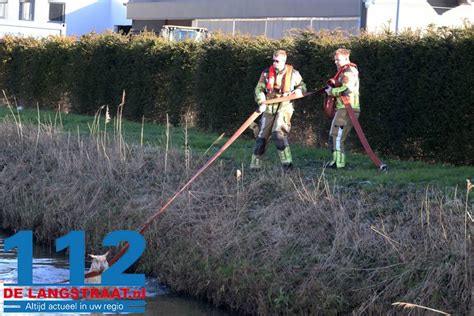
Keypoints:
pixel 266 243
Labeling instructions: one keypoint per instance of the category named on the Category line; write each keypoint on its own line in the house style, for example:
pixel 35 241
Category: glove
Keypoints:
pixel 328 90
pixel 261 108
pixel 331 83
pixel 298 93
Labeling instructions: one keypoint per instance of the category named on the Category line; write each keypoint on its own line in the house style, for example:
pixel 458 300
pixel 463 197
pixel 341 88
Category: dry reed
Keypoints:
pixel 272 244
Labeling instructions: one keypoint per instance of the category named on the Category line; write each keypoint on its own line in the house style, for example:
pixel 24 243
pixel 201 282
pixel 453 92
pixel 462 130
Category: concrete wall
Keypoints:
pixel 87 16
pixel 98 16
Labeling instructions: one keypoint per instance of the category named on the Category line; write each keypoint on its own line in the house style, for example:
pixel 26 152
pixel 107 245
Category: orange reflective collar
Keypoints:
pixel 286 79
pixel 341 70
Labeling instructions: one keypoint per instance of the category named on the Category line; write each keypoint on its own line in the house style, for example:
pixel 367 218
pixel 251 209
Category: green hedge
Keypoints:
pixel 34 71
pixel 416 89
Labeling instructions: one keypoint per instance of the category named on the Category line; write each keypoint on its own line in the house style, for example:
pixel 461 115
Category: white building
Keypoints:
pixel 398 15
pixel 40 18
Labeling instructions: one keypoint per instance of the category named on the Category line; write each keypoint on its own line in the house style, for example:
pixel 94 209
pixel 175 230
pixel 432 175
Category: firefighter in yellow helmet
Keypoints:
pixel 278 80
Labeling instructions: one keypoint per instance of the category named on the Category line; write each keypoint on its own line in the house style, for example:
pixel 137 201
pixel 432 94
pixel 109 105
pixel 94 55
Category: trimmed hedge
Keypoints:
pixel 416 89
pixel 34 71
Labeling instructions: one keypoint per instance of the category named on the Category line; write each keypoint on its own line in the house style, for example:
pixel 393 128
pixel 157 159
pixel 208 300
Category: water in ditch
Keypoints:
pixel 50 268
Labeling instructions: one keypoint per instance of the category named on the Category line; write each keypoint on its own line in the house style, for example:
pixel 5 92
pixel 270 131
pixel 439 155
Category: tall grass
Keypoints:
pixel 360 173
pixel 266 243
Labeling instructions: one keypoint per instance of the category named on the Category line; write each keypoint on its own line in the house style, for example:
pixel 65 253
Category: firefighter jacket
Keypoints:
pixel 347 84
pixel 273 85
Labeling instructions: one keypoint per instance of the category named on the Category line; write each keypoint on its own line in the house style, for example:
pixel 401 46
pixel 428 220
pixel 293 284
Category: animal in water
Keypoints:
pixel 99 264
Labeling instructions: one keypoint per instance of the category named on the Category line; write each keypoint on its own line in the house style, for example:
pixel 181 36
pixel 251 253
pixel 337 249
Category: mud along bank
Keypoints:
pixel 265 244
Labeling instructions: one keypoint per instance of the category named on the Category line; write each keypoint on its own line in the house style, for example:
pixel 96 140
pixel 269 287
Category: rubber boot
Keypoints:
pixel 332 163
pixel 285 158
pixel 340 159
pixel 255 163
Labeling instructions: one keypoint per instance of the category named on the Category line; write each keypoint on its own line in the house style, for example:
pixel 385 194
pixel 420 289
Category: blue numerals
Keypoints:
pixel 136 246
pixel 23 240
pixel 75 241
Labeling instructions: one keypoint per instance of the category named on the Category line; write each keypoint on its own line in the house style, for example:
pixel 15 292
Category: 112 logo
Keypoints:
pixel 75 242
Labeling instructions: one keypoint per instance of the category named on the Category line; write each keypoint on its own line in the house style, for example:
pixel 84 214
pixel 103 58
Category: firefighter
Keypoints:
pixel 280 79
pixel 345 88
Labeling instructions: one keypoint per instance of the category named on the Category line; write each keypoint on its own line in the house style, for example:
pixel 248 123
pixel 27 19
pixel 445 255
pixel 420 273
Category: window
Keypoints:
pixel 3 9
pixel 56 11
pixel 27 10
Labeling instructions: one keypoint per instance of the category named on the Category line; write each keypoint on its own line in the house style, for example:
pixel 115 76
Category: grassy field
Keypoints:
pixel 309 161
